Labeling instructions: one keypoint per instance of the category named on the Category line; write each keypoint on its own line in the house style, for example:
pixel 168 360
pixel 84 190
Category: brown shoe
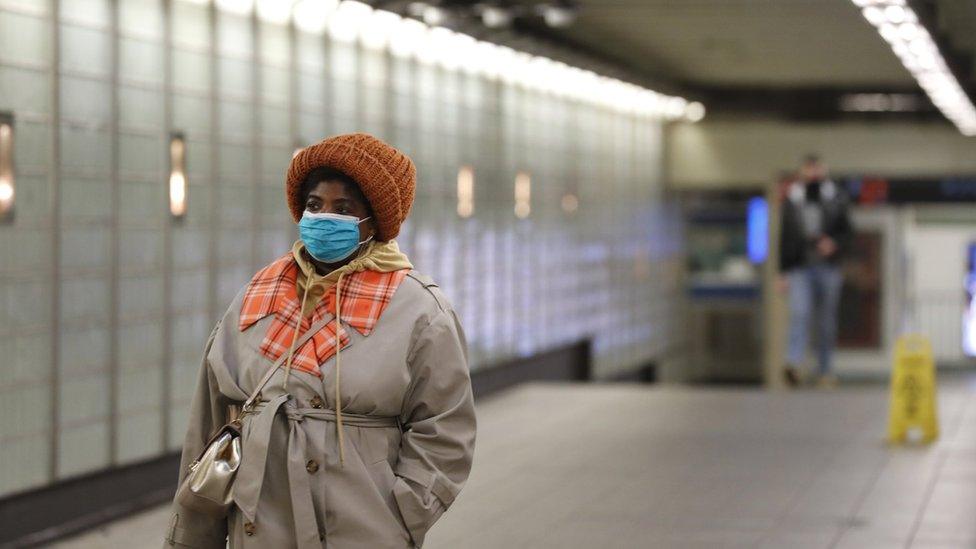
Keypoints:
pixel 792 376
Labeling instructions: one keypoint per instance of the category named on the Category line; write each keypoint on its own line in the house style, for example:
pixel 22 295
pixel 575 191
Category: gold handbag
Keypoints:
pixel 207 487
pixel 210 477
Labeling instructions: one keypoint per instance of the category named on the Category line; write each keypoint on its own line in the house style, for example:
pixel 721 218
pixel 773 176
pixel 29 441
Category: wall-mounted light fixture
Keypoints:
pixel 177 175
pixel 7 179
pixel 523 195
pixel 465 191
pixel 569 203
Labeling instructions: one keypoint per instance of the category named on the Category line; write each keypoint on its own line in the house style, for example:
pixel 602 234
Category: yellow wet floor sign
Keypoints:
pixel 912 414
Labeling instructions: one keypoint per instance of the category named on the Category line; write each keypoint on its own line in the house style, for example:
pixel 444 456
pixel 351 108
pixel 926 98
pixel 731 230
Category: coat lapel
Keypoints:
pixel 365 295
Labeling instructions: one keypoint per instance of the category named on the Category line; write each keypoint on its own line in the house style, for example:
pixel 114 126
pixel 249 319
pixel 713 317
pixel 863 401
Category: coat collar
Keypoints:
pixel 272 291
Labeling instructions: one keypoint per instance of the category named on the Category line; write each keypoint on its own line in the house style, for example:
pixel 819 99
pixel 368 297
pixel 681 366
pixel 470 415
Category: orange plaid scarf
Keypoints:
pixel 365 294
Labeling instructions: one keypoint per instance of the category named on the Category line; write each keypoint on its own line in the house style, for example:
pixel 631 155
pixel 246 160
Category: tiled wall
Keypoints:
pixel 105 301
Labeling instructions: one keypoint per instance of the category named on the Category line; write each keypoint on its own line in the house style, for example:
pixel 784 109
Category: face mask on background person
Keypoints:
pixel 330 237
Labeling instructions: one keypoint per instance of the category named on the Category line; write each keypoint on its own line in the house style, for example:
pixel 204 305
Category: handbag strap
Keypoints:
pixel 267 376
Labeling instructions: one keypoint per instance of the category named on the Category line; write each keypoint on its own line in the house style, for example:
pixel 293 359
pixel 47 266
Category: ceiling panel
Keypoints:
pixel 762 43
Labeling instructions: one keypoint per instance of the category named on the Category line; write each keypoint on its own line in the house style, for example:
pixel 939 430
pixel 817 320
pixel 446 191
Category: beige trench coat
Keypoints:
pixel 290 490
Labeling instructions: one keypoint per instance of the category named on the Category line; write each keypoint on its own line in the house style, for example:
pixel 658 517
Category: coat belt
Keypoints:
pixel 250 475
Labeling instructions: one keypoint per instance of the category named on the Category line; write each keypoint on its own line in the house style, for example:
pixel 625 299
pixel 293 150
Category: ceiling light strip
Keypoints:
pixel 898 24
pixel 351 21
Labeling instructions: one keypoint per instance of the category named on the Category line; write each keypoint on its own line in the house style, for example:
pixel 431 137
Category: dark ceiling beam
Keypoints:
pixel 809 104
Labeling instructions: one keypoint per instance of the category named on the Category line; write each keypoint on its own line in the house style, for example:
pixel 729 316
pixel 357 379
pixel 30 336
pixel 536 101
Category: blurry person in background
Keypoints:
pixel 816 235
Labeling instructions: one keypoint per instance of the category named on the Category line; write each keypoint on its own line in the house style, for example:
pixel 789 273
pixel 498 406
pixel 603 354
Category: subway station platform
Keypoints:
pixel 625 465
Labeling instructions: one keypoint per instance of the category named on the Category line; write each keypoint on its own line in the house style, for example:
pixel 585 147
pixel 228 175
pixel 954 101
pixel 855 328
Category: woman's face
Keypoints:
pixel 333 196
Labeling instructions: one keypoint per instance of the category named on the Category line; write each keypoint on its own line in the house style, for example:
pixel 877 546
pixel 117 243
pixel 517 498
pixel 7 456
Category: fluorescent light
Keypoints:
pixel 694 111
pixel 897 23
pixel 376 33
pixel 237 7
pixel 675 108
pixel 177 176
pixel 505 60
pixel 518 72
pixel 538 72
pixel 909 31
pixel 434 16
pixel 426 52
pixel 465 49
pixel 406 38
pixel 347 20
pixel 874 15
pixel 485 59
pixel 895 14
pixel 446 47
pixel 7 174
pixel 312 15
pixel 274 11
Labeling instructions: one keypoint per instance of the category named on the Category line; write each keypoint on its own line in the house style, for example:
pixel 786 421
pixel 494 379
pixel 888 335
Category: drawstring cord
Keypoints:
pixel 338 347
pixel 338 344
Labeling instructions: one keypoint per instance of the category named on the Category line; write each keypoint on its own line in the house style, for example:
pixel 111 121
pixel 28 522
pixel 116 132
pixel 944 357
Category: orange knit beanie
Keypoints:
pixel 386 176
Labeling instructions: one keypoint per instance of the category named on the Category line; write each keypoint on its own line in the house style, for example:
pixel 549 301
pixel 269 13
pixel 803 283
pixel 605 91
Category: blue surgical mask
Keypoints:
pixel 330 237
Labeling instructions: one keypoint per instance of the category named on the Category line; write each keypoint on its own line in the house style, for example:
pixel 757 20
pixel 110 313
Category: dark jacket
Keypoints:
pixel 796 250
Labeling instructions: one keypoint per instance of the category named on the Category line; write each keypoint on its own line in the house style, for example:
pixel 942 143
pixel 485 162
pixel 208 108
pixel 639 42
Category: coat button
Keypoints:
pixel 249 528
pixel 316 402
pixel 312 466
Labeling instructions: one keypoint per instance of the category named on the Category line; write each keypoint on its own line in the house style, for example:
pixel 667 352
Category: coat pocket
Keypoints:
pixel 418 507
pixel 385 480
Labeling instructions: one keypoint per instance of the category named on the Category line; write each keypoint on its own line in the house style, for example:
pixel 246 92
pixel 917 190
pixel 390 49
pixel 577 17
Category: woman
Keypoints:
pixel 366 435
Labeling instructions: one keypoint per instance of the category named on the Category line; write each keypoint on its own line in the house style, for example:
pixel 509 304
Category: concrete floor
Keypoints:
pixel 618 465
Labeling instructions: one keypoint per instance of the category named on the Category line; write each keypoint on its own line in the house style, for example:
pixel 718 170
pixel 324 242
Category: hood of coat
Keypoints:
pixel 377 256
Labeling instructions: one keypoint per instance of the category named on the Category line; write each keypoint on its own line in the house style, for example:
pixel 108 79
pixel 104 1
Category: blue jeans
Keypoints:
pixel 814 296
